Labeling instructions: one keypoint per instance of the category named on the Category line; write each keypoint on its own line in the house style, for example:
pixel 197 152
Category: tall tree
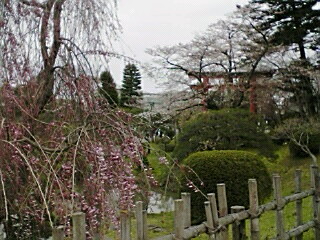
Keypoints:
pixel 64 152
pixel 45 41
pixel 108 89
pixel 131 85
pixel 221 61
pixel 291 22
pixel 294 24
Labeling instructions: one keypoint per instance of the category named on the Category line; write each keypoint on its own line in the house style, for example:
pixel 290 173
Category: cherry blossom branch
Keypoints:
pixel 34 177
pixel 4 196
pixel 74 168
pixel 48 162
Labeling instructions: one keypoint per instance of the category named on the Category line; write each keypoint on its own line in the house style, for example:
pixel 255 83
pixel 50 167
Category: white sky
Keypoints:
pixel 147 23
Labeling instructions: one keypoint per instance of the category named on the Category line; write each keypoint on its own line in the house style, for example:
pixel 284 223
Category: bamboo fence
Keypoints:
pixel 218 218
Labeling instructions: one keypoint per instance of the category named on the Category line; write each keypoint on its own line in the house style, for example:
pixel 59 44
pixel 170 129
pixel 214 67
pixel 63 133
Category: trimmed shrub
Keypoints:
pixel 231 167
pixel 227 129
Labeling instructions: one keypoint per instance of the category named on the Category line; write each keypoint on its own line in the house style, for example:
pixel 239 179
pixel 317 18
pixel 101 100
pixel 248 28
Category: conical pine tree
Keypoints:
pixel 131 85
pixel 108 89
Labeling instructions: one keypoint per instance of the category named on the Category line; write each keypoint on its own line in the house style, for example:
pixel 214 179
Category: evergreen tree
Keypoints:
pixel 108 89
pixel 131 85
pixel 293 23
pixel 290 21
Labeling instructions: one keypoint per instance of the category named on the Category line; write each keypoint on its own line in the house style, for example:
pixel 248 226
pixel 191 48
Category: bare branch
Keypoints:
pixel 33 3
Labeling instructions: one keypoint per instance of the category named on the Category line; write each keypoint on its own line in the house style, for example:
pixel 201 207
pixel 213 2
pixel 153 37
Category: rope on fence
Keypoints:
pixel 216 226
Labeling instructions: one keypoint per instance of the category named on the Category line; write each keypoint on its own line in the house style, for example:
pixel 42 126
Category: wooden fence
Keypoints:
pixel 218 219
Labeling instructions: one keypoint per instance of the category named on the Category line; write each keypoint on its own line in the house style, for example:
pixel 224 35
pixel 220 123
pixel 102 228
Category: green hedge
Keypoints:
pixel 231 167
pixel 227 129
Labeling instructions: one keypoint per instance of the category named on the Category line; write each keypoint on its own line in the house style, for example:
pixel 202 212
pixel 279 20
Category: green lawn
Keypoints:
pixel 283 165
pixel 162 224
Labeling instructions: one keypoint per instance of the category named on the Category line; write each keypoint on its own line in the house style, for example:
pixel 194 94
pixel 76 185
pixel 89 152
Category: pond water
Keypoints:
pixel 160 203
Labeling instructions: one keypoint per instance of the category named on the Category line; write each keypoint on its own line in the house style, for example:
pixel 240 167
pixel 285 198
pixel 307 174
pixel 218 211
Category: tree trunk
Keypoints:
pixel 253 95
pixel 44 89
pixel 302 50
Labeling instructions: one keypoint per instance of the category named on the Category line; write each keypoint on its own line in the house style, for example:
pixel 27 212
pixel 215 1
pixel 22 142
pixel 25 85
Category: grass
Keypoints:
pixel 285 166
pixel 162 224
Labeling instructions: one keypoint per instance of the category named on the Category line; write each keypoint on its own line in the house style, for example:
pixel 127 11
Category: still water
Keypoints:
pixel 160 203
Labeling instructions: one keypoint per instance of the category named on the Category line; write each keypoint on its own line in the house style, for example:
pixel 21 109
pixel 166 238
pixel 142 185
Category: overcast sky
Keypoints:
pixel 147 23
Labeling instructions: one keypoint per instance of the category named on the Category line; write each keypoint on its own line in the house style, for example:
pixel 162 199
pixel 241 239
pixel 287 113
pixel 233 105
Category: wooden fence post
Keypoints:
pixel 140 220
pixel 125 226
pixel 2 233
pixel 279 207
pixel 145 225
pixel 223 207
pixel 178 219
pixel 58 233
pixel 79 226
pixel 214 213
pixel 254 205
pixel 238 227
pixel 298 189
pixel 316 199
pixel 210 225
pixel 186 197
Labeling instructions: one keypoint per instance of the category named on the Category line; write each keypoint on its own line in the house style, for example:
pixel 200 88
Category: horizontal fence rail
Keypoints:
pixel 218 218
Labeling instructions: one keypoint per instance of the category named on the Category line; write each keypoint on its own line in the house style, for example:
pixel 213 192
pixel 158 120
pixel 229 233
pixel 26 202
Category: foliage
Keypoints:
pixel 161 125
pixel 204 170
pixel 313 145
pixel 291 22
pixel 187 64
pixel 169 147
pixel 132 110
pixel 108 89
pixel 53 168
pixel 282 166
pixel 299 79
pixel 303 136
pixel 247 59
pixel 214 61
pixel 159 164
pixel 222 130
pixel 131 85
pixel 66 149
pixel 292 26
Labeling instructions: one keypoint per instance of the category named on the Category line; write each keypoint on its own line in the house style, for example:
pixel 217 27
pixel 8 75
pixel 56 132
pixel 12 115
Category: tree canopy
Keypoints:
pixel 66 149
pixel 131 85
pixel 291 22
pixel 233 60
pixel 227 129
pixel 108 89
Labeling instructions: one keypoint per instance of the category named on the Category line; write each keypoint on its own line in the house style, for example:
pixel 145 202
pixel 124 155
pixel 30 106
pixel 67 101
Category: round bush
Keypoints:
pixel 231 167
pixel 226 129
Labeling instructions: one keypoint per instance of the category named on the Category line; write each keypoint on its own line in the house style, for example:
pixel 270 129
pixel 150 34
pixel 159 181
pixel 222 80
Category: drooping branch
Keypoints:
pixel 49 97
pixel 33 3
